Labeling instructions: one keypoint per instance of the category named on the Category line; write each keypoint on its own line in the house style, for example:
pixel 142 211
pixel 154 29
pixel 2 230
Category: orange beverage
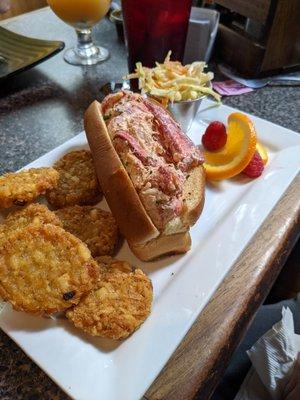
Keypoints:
pixel 81 14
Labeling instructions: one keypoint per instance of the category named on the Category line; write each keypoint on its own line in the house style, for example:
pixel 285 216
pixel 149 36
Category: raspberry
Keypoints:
pixel 255 167
pixel 215 136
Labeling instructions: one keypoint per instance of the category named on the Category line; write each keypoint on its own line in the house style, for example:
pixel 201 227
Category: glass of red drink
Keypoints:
pixel 153 27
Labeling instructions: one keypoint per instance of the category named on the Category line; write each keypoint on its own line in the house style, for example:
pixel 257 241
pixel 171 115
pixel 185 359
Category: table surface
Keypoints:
pixel 43 108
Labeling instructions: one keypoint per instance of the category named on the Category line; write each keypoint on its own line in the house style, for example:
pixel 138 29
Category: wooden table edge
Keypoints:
pixel 199 362
pixel 5 21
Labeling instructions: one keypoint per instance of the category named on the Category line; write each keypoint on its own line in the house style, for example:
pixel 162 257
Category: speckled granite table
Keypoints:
pixel 43 108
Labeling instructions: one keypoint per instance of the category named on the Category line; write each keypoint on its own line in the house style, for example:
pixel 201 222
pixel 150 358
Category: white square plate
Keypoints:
pixel 90 368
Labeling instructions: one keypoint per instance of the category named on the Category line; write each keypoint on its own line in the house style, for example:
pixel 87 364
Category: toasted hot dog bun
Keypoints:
pixel 145 239
pixel 177 243
pixel 120 194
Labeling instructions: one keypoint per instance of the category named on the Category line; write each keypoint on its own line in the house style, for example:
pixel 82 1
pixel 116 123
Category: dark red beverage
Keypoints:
pixel 153 27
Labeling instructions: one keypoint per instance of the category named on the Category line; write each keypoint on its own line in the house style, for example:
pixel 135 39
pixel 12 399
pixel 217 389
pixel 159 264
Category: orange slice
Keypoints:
pixel 262 152
pixel 238 151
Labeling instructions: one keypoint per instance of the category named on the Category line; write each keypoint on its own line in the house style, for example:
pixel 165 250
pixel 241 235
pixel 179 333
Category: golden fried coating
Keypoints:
pixel 2 235
pixel 44 269
pixel 108 264
pixel 118 306
pixel 95 227
pixel 78 182
pixel 20 188
pixel 35 213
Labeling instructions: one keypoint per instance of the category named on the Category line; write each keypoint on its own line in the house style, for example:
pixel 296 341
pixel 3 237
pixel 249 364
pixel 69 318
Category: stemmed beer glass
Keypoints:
pixel 82 15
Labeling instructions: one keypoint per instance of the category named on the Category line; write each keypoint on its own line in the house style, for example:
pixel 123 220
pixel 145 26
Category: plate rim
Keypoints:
pixel 74 138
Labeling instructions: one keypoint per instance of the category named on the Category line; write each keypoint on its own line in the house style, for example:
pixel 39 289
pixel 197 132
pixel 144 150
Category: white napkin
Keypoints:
pixel 273 358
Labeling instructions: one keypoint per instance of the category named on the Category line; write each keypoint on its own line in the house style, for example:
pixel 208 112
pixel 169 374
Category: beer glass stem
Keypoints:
pixel 85 45
pixel 85 52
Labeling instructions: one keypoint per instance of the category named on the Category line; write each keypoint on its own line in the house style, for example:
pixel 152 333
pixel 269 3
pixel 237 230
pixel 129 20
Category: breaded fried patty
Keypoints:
pixel 44 269
pixel 77 182
pixel 109 264
pixel 118 306
pixel 2 235
pixel 20 188
pixel 32 214
pixel 95 227
pixel 35 213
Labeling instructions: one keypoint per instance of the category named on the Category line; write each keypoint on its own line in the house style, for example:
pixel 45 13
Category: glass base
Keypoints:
pixel 98 55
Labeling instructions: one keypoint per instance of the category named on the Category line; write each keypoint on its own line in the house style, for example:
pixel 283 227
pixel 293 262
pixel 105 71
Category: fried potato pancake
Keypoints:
pixel 109 264
pixel 35 213
pixel 95 227
pixel 2 234
pixel 118 306
pixel 20 188
pixel 32 214
pixel 77 183
pixel 44 269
